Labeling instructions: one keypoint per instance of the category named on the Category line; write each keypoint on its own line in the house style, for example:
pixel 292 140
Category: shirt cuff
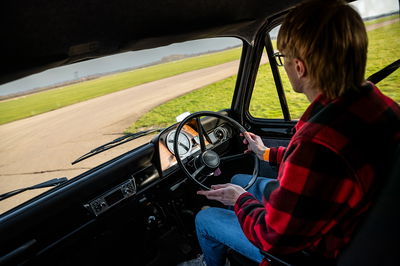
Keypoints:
pixel 241 200
pixel 266 154
pixel 273 155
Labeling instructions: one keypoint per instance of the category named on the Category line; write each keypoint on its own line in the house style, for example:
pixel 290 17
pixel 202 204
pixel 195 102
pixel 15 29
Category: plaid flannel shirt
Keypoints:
pixel 328 175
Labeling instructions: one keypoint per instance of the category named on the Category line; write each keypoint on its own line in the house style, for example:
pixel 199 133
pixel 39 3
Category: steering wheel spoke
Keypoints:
pixel 198 171
pixel 201 135
pixel 232 157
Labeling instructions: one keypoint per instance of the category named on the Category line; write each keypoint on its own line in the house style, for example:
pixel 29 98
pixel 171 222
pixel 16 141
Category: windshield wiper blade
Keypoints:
pixel 116 142
pixel 49 183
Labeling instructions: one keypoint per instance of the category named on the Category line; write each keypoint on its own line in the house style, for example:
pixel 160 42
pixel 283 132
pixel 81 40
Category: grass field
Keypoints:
pixel 383 50
pixel 384 43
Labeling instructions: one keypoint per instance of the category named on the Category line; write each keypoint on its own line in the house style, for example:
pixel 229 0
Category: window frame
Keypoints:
pixel 263 42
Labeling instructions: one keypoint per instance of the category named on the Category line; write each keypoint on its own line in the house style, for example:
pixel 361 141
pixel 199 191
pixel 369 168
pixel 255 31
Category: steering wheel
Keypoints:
pixel 208 161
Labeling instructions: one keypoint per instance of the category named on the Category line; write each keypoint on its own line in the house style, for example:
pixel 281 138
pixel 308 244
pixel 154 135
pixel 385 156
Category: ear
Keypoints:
pixel 300 68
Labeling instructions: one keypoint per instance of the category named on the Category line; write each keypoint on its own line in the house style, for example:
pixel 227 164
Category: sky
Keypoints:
pixel 367 8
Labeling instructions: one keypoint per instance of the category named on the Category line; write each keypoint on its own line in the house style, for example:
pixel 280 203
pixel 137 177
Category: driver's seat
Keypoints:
pixel 377 239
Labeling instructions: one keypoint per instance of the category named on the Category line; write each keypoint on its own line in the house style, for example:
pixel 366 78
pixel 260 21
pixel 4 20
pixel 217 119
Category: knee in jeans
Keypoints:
pixel 203 217
pixel 236 179
pixel 240 179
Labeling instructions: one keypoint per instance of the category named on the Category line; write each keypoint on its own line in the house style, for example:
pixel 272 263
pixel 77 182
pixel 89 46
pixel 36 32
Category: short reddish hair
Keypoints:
pixel 329 36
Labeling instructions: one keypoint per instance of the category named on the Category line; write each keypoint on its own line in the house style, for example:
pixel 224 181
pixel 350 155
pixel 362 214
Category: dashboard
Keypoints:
pixel 217 136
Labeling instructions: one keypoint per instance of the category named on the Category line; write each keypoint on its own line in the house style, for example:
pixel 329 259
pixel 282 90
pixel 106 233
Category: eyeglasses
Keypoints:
pixel 279 58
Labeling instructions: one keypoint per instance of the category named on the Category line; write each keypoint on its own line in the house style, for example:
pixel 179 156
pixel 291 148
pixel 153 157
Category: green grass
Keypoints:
pixel 214 97
pixel 383 50
pixel 265 102
pixel 30 105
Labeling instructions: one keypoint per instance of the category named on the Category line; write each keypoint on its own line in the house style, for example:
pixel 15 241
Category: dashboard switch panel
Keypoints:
pixel 112 197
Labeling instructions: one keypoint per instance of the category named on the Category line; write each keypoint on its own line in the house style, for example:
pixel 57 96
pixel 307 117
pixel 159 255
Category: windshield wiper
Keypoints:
pixel 116 142
pixel 49 183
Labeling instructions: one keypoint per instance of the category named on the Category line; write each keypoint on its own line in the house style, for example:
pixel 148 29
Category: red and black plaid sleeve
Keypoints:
pixel 276 155
pixel 309 199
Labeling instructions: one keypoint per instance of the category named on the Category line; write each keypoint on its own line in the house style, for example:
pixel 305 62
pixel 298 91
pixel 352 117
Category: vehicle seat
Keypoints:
pixel 377 240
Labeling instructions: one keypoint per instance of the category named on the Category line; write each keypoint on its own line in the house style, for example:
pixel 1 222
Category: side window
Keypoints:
pixel 383 49
pixel 383 41
pixel 264 102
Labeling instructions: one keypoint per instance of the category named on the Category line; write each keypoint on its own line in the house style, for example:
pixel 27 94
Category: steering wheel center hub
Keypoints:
pixel 210 159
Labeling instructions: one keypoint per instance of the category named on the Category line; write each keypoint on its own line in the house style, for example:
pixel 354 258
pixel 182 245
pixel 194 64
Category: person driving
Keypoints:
pixel 330 173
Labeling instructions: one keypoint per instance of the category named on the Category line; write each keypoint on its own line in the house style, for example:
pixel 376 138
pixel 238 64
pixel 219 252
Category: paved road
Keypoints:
pixel 41 147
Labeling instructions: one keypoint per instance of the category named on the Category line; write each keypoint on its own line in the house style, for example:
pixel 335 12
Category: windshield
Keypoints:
pixel 50 119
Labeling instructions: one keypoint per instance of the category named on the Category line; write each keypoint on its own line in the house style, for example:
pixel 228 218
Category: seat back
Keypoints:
pixel 377 240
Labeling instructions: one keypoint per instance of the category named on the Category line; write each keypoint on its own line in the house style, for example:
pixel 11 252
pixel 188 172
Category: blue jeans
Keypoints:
pixel 219 228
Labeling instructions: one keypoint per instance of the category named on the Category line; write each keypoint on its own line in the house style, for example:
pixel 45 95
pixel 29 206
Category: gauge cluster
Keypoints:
pixel 219 134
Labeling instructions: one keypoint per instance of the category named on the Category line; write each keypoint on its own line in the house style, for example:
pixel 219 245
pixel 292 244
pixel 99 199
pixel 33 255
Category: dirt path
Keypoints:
pixel 381 24
pixel 39 148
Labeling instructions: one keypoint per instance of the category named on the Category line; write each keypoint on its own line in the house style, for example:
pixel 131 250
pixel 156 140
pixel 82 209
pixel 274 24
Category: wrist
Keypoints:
pixel 259 151
pixel 239 196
